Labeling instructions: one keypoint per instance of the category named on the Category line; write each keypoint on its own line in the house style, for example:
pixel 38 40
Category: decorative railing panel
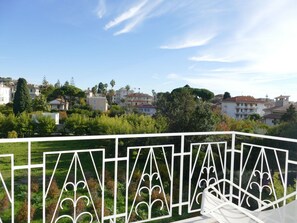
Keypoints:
pixel 207 166
pixel 152 182
pixel 261 168
pixel 79 195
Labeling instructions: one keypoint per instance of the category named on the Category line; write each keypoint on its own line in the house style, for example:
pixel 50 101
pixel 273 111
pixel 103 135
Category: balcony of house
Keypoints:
pixel 247 111
pixel 146 177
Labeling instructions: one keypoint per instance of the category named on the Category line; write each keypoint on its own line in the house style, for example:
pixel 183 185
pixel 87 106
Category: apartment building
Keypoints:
pixel 241 107
pixel 5 94
pixel 136 99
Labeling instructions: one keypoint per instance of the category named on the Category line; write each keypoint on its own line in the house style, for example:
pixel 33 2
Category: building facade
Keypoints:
pixel 137 99
pixel 121 94
pixel 98 103
pixel 33 90
pixel 5 94
pixel 241 107
pixel 146 109
pixel 59 104
pixel 273 114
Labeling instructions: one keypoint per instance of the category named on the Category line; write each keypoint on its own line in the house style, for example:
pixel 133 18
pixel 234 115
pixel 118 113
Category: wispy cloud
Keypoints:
pixel 188 43
pixel 208 58
pixel 130 13
pixel 130 26
pixel 101 9
pixel 134 16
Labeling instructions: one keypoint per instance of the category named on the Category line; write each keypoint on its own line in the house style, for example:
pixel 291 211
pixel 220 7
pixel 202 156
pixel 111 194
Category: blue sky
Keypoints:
pixel 243 47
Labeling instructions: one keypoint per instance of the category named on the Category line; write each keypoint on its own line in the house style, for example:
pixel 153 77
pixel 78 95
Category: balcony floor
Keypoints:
pixel 200 219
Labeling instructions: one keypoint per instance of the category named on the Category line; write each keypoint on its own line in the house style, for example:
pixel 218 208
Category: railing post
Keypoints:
pixel 116 178
pixel 43 187
pixel 181 174
pixel 29 181
pixel 232 163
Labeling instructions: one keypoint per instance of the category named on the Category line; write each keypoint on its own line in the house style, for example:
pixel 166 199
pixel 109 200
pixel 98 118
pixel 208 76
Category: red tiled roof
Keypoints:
pixel 245 99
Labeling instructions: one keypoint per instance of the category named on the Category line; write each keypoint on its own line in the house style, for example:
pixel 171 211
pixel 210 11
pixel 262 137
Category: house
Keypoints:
pixel 120 95
pixel 241 107
pixel 146 109
pixel 98 103
pixel 273 114
pixel 59 104
pixel 136 99
pixel 33 90
pixel 5 94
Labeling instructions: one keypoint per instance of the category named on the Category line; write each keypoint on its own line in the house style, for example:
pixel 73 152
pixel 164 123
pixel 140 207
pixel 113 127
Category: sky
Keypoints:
pixel 244 47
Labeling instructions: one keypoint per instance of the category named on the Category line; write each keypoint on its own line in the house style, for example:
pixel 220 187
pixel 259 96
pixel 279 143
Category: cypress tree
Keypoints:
pixel 22 99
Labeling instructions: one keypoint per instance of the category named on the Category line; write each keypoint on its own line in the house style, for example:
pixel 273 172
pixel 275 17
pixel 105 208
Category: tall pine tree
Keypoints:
pixel 22 99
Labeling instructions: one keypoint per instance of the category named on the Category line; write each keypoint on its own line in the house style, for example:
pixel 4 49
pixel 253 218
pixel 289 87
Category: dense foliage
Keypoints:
pixel 81 125
pixel 22 99
pixel 184 111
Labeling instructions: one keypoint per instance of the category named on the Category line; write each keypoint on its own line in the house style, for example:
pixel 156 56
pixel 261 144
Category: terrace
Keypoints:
pixel 140 178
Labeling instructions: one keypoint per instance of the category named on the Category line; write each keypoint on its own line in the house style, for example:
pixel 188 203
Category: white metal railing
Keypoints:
pixel 138 178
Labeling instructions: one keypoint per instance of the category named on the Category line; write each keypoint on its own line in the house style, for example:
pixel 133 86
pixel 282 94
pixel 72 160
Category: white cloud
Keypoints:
pixel 208 58
pixel 130 26
pixel 134 16
pixel 188 43
pixel 101 8
pixel 263 39
pixel 173 76
pixel 130 13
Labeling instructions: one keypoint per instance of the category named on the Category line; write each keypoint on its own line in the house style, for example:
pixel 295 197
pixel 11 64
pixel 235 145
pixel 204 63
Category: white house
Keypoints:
pixel 146 109
pixel 5 94
pixel 136 99
pixel 59 104
pixel 33 90
pixel 98 103
pixel 241 107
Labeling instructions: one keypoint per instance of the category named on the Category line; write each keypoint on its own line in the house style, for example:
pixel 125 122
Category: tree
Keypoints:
pixel 110 96
pixel 40 104
pixel 127 88
pixel 44 81
pixel 24 127
pixel 112 83
pixel 116 110
pixel 72 81
pixel 66 83
pixel 58 84
pixel 184 111
pixel 22 99
pixel 94 89
pixel 7 124
pixel 226 95
pixel 43 125
pixel 102 88
pixel 77 124
pixel 203 94
pixel 70 93
pixel 290 115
